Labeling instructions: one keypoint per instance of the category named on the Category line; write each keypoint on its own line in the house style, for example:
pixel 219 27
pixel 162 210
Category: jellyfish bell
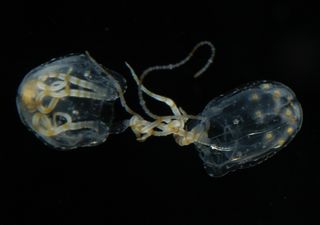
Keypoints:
pixel 68 102
pixel 247 126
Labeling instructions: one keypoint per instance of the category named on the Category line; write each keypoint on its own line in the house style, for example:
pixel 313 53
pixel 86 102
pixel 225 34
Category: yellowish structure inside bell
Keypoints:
pixel 29 94
pixel 51 93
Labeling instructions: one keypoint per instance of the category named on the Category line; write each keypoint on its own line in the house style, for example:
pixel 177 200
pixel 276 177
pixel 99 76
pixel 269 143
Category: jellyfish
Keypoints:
pixel 247 126
pixel 236 130
pixel 68 103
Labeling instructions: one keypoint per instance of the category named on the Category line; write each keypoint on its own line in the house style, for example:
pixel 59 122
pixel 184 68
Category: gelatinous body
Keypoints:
pixel 68 102
pixel 247 126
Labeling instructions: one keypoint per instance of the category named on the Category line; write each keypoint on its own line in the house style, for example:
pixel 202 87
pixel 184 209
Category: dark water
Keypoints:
pixel 158 182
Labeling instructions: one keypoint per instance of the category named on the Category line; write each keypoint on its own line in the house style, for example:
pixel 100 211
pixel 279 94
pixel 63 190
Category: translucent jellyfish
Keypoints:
pixel 247 126
pixel 68 102
pixel 234 131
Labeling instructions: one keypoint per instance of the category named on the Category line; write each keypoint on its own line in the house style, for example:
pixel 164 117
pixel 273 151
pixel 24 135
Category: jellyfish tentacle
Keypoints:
pixel 171 67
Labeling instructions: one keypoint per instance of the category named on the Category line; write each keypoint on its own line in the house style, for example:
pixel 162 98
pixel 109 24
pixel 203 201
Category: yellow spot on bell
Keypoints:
pixel 258 114
pixel 254 97
pixel 288 112
pixel 289 130
pixel 276 94
pixel 281 142
pixel 269 135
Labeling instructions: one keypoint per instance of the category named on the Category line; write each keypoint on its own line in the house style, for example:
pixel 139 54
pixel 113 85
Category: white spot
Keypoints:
pixel 87 75
pixel 75 112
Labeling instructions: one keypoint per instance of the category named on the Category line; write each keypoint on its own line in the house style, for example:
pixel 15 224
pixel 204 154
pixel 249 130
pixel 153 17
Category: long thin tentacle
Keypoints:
pixel 171 67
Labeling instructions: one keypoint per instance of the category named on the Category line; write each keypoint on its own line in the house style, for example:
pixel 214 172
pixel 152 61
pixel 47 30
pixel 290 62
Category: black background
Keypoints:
pixel 158 182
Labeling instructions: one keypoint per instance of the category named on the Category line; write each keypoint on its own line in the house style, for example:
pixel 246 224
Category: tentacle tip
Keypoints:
pixel 196 75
